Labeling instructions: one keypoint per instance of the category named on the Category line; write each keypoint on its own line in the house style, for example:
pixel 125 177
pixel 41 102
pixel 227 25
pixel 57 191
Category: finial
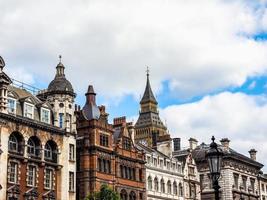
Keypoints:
pixel 60 57
pixel 147 71
pixel 213 138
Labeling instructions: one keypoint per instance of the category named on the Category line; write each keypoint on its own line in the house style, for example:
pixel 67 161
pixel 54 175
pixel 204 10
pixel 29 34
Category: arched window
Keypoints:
pixel 156 184
pixel 132 196
pixel 175 192
pixel 48 151
pixel 124 195
pixel 169 187
pixel 33 146
pixel 149 183
pixel 162 186
pixel 13 143
pixel 16 143
pixel 181 190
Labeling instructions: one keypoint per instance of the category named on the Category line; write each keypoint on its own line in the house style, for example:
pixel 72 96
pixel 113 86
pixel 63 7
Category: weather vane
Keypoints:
pixel 60 57
pixel 147 71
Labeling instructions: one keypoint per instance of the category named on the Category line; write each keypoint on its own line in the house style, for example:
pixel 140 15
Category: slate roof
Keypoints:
pixel 200 152
pixel 148 94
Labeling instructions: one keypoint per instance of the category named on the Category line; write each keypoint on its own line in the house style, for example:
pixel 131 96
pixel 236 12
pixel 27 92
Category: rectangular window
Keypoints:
pixel 127 144
pixel 61 120
pixel 31 175
pixel 191 171
pixel 236 180
pixel 104 140
pixel 71 152
pixel 168 165
pixel 45 115
pixel 71 181
pixel 13 172
pixel 11 106
pixel 252 184
pixel 244 181
pixel 161 163
pixel 48 178
pixel 148 160
pixel 155 161
pixel 28 110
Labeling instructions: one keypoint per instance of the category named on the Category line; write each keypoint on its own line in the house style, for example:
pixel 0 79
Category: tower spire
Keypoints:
pixel 148 94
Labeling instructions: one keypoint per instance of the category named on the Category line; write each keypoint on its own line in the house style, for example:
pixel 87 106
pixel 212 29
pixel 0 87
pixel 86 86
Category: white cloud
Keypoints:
pixel 237 116
pixel 200 46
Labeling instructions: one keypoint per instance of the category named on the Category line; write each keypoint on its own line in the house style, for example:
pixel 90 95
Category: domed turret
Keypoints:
pixel 60 85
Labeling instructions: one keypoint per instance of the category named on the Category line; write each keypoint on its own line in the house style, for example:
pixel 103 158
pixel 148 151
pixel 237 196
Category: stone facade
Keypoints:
pixel 35 154
pixel 239 175
pixel 164 175
pixel 106 154
pixel 190 170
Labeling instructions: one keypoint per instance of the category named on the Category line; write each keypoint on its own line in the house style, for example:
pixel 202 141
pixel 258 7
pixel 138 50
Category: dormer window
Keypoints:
pixel 11 105
pixel 45 115
pixel 28 110
pixel 127 144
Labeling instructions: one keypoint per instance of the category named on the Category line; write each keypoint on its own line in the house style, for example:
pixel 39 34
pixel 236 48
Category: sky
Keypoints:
pixel 207 59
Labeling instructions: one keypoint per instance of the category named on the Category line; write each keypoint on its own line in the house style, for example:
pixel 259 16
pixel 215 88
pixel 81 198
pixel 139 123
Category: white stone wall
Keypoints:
pixel 68 166
pixel 263 189
pixel 67 101
pixel 3 161
pixel 167 174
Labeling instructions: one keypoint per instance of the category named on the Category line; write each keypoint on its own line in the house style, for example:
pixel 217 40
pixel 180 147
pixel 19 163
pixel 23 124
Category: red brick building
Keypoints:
pixel 106 153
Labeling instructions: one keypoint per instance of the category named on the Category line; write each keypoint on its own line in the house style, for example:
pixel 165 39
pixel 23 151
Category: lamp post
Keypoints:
pixel 214 157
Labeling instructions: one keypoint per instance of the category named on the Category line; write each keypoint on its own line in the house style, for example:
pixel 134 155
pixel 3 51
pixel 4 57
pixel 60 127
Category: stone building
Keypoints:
pixel 37 158
pixel 106 153
pixel 239 175
pixel 149 121
pixel 263 185
pixel 164 175
pixel 191 175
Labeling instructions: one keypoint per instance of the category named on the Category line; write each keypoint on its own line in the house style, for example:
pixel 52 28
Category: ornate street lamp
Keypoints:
pixel 214 157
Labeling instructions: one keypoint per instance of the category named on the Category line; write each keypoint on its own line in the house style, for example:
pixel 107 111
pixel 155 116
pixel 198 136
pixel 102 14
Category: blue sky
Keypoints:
pixel 207 59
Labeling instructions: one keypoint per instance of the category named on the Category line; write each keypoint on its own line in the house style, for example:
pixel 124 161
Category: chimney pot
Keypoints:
pixel 225 143
pixel 193 143
pixel 253 154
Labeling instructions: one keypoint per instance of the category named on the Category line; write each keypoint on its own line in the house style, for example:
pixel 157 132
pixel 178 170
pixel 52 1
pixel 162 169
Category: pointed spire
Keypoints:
pixel 148 94
pixel 60 68
pixel 90 95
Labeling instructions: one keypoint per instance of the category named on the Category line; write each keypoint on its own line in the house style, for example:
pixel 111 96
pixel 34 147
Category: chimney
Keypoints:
pixel 154 139
pixel 225 143
pixel 192 143
pixel 176 144
pixel 253 154
pixel 119 121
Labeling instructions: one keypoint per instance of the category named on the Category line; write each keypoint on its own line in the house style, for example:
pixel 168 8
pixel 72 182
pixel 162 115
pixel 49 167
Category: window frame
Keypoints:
pixel 71 181
pixel 71 152
pixel 25 114
pixel 15 105
pixel 13 174
pixel 42 115
pixel 48 180
pixel 33 175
